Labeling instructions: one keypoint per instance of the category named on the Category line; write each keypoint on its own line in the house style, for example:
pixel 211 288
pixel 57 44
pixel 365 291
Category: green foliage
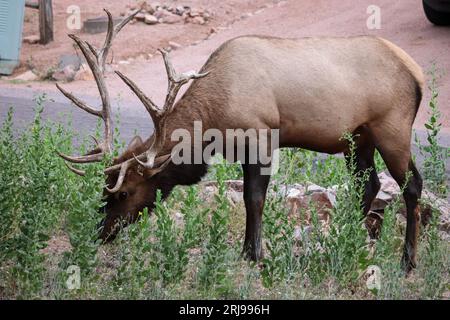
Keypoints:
pixel 280 262
pixel 434 260
pixel 435 156
pixel 134 252
pixel 301 166
pixel 32 193
pixel 213 269
pixel 169 254
pixel 195 218
pixel 345 247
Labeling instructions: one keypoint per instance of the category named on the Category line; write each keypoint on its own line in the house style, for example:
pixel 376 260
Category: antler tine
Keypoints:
pixel 76 171
pixel 176 81
pixel 111 33
pixel 79 103
pixel 154 111
pixel 120 179
pixel 97 157
pixel 93 49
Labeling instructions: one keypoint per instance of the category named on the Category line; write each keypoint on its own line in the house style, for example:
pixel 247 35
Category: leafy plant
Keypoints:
pixel 213 269
pixel 435 156
pixel 280 262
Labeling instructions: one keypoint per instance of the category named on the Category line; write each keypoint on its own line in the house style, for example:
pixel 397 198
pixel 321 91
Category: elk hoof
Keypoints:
pixel 250 253
pixel 408 264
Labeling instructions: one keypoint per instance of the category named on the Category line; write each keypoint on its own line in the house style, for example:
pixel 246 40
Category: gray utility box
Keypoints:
pixel 11 23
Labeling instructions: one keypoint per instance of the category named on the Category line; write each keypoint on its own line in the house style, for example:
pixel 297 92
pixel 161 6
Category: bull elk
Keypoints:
pixel 312 89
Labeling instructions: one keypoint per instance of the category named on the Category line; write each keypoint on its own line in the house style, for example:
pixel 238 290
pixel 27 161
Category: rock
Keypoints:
pixel 154 6
pixel 27 76
pixel 145 6
pixel 302 233
pixel 444 210
pixel 299 201
pixel 388 185
pixel 246 15
pixel 180 10
pixel 208 193
pixel 198 20
pixel 311 188
pixel 235 196
pixel 378 205
pixel 194 13
pixel 373 223
pixel 172 18
pixel 84 74
pixel 179 219
pixel 236 185
pixel 67 74
pixel 174 45
pixel 140 16
pixel 98 25
pixel 150 19
pixel 161 13
pixel 298 233
pixel 69 60
pixel 294 193
pixel 33 39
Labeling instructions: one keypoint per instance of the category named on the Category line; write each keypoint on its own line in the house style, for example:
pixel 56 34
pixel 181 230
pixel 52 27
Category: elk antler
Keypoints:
pixel 96 59
pixel 159 115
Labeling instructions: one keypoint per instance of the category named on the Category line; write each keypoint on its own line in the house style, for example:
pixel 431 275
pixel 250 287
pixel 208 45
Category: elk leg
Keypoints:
pixel 411 195
pixel 398 160
pixel 364 158
pixel 255 187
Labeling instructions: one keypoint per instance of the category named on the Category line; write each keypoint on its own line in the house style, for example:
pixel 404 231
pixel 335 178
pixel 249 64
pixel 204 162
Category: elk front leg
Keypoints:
pixel 255 187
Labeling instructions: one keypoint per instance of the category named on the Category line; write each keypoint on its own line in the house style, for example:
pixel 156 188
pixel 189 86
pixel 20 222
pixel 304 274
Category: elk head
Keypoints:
pixel 134 177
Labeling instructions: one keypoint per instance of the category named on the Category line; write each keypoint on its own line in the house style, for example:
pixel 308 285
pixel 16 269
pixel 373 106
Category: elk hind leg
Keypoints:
pixel 395 151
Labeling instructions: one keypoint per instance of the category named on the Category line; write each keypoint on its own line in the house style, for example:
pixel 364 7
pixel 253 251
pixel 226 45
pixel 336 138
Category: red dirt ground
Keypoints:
pixel 139 39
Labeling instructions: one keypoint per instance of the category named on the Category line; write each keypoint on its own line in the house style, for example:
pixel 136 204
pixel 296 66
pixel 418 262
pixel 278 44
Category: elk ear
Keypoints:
pixel 134 143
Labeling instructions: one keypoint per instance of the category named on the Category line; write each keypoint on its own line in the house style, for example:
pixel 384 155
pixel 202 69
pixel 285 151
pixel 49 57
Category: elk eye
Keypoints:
pixel 123 195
